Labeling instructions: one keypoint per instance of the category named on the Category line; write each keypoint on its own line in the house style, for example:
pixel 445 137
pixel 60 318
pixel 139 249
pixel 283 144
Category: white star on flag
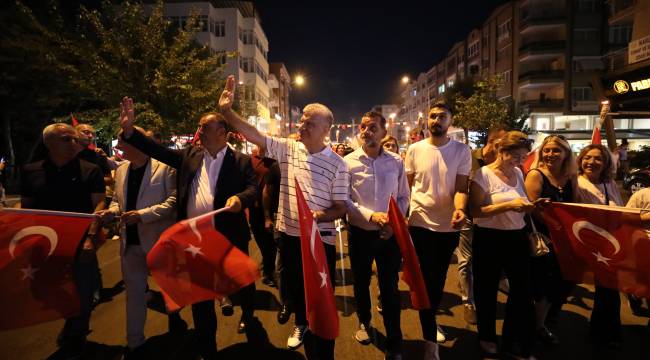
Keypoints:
pixel 194 250
pixel 323 278
pixel 601 258
pixel 28 272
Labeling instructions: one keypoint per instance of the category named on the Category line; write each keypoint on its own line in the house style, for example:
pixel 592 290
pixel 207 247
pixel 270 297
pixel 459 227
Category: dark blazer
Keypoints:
pixel 236 177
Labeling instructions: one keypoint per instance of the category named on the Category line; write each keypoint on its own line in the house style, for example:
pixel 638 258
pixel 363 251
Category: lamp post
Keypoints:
pixel 298 81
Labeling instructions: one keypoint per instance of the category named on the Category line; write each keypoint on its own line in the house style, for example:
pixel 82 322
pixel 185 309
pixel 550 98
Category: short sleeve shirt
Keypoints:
pixel 435 169
pixel 323 177
pixel 640 199
pixel 68 188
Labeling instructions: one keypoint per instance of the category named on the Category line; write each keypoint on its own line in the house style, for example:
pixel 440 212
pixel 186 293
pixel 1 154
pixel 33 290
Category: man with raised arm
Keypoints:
pixel 324 178
pixel 210 176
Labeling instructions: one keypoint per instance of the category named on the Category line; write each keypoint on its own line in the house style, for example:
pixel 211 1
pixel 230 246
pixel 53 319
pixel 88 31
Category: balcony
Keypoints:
pixel 541 50
pixel 621 11
pixel 540 21
pixel 542 105
pixel 541 78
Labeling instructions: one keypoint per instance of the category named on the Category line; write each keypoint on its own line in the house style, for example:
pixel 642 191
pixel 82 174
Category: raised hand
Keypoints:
pixel 127 116
pixel 228 95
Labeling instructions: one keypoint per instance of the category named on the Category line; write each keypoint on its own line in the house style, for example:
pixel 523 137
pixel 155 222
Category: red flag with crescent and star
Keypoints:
pixel 607 245
pixel 412 274
pixel 37 249
pixel 319 294
pixel 193 262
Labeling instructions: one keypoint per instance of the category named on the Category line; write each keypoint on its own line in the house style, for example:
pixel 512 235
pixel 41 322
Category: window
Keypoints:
pixel 543 123
pixel 219 28
pixel 620 34
pixel 260 72
pixel 503 31
pixel 503 53
pixel 441 89
pixel 588 64
pixel 247 64
pixel 507 76
pixel 585 34
pixel 473 49
pixel 450 83
pixel 582 93
pixel 585 6
pixel 246 36
pixel 203 22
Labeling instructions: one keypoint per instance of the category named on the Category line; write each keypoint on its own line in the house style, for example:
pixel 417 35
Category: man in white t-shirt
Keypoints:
pixel 438 169
pixel 323 176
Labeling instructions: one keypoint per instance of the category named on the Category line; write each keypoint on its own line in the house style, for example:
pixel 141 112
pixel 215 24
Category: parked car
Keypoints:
pixel 637 179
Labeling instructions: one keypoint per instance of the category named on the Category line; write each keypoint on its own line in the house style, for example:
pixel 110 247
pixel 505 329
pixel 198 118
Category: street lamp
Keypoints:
pixel 405 79
pixel 299 80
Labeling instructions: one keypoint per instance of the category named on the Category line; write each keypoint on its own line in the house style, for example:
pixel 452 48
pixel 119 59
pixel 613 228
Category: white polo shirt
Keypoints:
pixel 323 177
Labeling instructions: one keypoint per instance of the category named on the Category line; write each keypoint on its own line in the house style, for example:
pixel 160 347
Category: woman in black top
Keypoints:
pixel 554 178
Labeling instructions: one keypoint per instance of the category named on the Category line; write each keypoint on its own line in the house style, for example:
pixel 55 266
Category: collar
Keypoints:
pixel 47 163
pixel 221 153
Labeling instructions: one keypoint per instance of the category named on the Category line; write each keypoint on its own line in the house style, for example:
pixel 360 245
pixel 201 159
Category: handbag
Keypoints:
pixel 538 242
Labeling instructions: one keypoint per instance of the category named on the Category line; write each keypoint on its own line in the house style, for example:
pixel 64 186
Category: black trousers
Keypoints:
pixel 605 322
pixel 434 250
pixel 205 317
pixel 366 246
pixel 264 240
pixel 315 347
pixel 494 251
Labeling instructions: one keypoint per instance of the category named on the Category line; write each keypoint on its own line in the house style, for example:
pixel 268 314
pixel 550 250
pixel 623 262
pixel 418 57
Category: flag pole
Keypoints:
pixel 340 236
pixel 47 212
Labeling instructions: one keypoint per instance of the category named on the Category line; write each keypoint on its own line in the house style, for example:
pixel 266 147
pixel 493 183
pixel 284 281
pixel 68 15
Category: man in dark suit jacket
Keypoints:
pixel 210 176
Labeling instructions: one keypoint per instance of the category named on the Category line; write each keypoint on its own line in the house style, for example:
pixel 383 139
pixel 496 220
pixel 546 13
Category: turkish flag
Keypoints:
pixel 193 262
pixel 607 245
pixel 530 160
pixel 319 294
pixel 73 120
pixel 595 136
pixel 37 249
pixel 411 273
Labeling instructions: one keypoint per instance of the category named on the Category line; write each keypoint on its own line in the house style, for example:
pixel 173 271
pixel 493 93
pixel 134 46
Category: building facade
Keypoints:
pixel 280 86
pixel 234 27
pixel 551 56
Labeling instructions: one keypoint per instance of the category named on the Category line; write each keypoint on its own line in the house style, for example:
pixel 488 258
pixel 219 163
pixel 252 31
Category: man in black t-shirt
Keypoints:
pixel 63 182
pixel 145 202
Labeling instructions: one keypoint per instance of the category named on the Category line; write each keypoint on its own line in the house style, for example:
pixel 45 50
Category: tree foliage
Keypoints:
pixel 53 65
pixel 477 108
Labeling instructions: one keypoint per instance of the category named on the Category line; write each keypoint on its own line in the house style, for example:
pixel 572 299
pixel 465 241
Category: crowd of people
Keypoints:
pixel 478 204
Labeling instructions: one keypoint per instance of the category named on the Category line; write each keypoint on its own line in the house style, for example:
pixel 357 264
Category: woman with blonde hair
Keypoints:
pixel 553 177
pixel 596 186
pixel 498 203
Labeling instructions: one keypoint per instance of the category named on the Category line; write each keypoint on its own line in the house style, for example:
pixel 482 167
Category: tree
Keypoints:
pixel 54 64
pixel 482 109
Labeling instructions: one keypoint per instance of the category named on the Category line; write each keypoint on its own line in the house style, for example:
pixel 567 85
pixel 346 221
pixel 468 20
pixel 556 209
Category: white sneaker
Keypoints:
pixel 295 339
pixel 431 351
pixel 362 335
pixel 440 335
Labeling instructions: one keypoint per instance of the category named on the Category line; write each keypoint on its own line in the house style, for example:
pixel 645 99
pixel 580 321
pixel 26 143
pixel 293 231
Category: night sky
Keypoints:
pixel 354 57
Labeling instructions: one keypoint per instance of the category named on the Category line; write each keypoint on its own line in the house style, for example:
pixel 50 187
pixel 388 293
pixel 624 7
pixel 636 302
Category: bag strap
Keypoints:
pixel 532 223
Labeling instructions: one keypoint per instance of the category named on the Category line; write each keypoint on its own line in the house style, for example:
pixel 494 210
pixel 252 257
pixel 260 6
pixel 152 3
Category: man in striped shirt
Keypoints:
pixel 323 176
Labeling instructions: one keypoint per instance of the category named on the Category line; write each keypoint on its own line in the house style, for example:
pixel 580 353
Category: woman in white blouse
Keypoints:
pixel 596 186
pixel 498 203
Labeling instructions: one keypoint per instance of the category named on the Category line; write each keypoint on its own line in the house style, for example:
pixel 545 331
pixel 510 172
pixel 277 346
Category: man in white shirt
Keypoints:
pixel 210 176
pixel 375 175
pixel 324 178
pixel 438 170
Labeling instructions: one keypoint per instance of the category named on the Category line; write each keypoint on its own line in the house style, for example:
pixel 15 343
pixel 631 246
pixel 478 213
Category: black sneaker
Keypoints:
pixel 268 281
pixel 284 314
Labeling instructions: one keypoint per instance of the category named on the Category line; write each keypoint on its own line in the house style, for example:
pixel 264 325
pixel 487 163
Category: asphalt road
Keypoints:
pixel 108 327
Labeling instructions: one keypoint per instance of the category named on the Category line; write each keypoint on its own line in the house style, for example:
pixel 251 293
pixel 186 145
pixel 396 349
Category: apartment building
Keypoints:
pixel 280 86
pixel 551 55
pixel 235 27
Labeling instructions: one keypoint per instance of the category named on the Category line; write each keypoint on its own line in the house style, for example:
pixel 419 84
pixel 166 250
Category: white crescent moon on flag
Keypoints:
pixel 579 225
pixel 312 241
pixel 46 231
